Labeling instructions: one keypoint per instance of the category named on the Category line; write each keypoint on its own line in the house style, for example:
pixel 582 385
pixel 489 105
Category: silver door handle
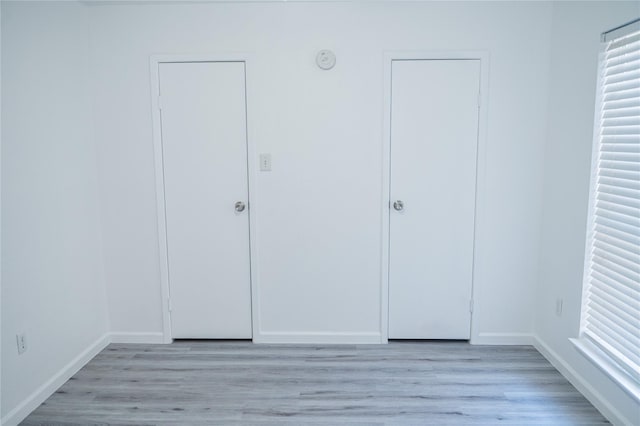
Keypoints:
pixel 240 207
pixel 398 205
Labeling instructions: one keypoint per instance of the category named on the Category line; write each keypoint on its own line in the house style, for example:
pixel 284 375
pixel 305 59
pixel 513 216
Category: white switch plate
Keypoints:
pixel 265 162
pixel 21 340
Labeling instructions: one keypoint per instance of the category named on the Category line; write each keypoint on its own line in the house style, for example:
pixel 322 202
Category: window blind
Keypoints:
pixel 611 314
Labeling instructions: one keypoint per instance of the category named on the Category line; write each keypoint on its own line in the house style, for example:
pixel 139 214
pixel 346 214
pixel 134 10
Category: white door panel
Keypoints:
pixel 434 122
pixel 203 114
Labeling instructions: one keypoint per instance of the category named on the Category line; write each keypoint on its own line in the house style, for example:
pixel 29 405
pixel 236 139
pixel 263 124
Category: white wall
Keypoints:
pixel 319 210
pixel 52 270
pixel 574 59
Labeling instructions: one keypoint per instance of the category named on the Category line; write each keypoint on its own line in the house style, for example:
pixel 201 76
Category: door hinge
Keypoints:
pixel 471 305
pixel 159 102
pixel 479 99
pixel 169 304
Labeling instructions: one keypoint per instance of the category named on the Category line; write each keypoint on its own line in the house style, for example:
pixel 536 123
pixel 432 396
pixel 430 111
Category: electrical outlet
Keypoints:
pixel 559 303
pixel 265 162
pixel 21 340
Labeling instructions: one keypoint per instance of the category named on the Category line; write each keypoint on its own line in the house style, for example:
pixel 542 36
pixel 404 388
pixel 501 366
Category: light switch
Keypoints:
pixel 265 162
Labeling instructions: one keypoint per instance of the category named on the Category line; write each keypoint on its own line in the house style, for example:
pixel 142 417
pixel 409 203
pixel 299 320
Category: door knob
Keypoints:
pixel 240 207
pixel 398 205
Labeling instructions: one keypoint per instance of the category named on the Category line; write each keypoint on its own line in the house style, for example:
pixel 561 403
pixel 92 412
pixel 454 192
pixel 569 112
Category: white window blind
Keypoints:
pixel 611 313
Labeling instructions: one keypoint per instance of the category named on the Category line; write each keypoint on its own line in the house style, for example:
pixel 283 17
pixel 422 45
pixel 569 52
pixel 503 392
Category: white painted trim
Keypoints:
pixel 317 338
pixel 599 401
pixel 590 222
pixel 154 62
pixel 203 57
pixel 252 179
pixel 502 339
pixel 32 402
pixel 134 337
pixel 603 362
pixel 483 57
pixel 160 202
pixel 385 198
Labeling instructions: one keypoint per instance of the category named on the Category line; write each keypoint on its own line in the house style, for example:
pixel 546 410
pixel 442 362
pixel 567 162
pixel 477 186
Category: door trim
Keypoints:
pixel 389 57
pixel 154 64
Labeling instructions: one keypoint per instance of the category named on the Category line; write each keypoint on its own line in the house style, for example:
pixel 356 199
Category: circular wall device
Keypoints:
pixel 326 59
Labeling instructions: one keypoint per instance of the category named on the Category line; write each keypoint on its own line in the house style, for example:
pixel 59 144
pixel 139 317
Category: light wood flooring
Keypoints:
pixel 239 383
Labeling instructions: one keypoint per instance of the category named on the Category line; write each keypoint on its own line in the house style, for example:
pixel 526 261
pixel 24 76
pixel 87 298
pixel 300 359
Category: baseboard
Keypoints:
pixel 132 337
pixel 503 339
pixel 32 402
pixel 582 385
pixel 317 338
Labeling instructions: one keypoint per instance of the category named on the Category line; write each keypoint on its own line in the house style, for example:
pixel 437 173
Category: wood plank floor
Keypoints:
pixel 239 383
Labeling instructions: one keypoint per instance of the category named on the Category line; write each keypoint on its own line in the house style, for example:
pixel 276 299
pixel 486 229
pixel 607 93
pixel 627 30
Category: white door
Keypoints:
pixel 204 146
pixel 434 131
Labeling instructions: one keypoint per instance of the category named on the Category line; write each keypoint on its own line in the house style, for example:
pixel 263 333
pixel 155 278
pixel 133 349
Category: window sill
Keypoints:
pixel 598 358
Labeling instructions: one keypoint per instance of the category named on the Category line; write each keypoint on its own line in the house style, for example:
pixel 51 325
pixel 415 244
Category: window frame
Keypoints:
pixel 584 344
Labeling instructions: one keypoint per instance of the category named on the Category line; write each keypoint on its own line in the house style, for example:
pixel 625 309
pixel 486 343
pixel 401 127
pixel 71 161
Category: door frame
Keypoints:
pixel 154 65
pixel 479 221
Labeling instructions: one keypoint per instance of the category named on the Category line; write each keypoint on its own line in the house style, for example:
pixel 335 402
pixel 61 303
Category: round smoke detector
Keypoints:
pixel 326 59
